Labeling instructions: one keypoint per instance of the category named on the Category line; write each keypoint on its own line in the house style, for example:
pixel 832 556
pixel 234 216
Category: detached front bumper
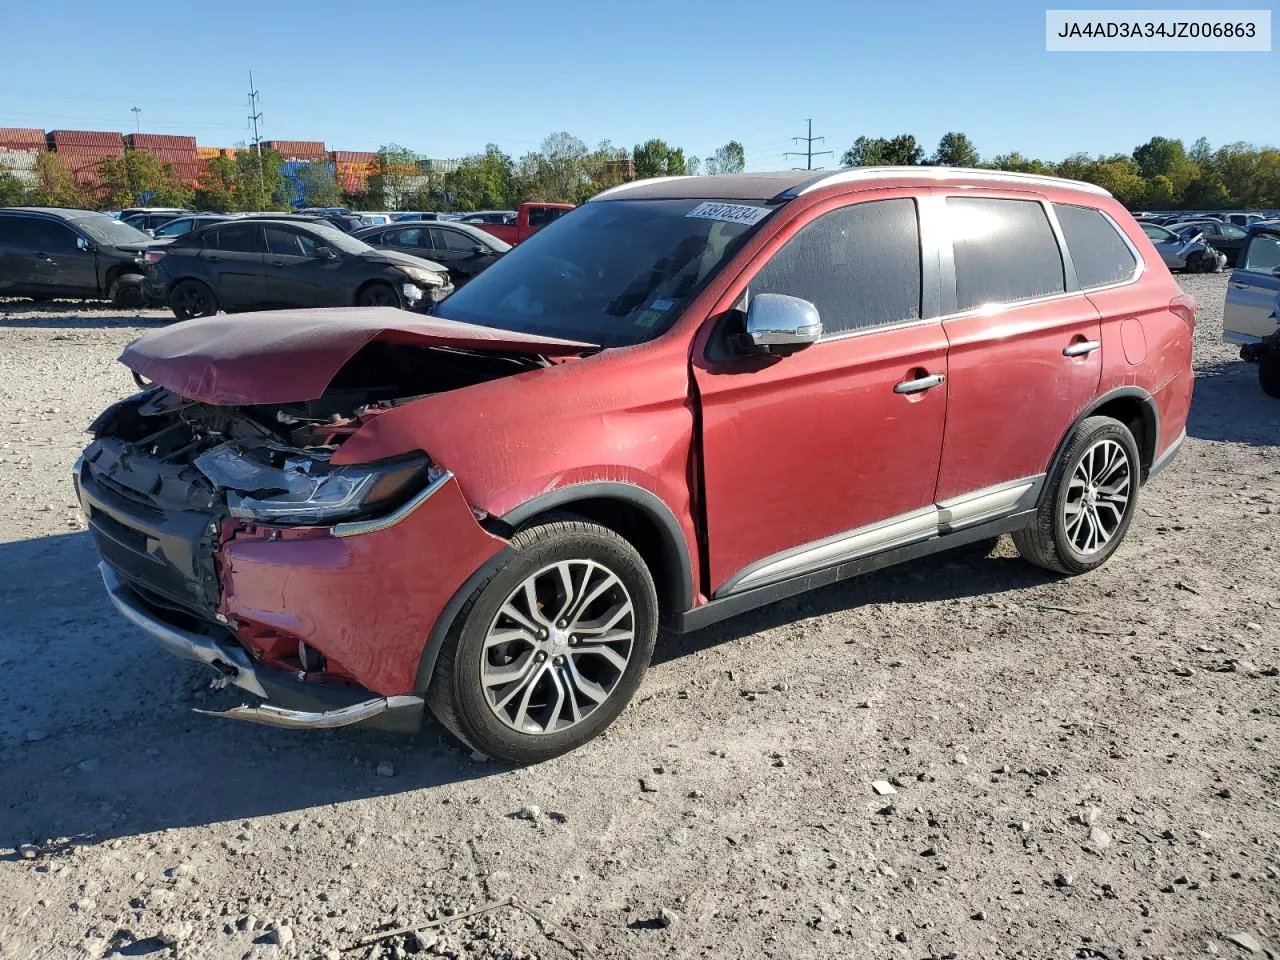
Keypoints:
pixel 295 703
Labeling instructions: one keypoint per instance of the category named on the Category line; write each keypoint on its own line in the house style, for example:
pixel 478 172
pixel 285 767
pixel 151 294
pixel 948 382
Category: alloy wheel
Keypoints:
pixel 558 647
pixel 1098 495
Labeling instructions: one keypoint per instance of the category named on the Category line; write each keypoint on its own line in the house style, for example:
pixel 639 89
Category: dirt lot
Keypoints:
pixel 1083 768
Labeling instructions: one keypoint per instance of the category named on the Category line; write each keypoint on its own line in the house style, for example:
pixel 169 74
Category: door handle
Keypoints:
pixel 1082 348
pixel 45 257
pixel 1241 286
pixel 919 384
pixel 215 259
pixel 276 263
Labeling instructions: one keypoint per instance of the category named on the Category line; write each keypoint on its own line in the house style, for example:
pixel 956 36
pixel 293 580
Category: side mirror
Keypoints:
pixel 479 250
pixel 779 324
pixel 149 232
pixel 83 244
pixel 326 253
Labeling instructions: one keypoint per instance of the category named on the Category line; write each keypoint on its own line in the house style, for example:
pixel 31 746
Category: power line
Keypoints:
pixel 809 153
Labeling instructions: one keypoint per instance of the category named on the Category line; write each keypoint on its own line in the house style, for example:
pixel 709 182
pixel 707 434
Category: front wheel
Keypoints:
pixel 1269 372
pixel 191 299
pixel 549 649
pixel 379 295
pixel 1087 508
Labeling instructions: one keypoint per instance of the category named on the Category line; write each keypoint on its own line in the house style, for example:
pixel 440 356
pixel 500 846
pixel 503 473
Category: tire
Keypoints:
pixel 1269 372
pixel 1065 538
pixel 191 299
pixel 380 294
pixel 126 292
pixel 564 689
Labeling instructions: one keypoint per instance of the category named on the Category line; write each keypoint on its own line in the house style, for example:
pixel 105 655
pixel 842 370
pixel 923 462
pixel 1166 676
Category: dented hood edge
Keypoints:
pixel 290 356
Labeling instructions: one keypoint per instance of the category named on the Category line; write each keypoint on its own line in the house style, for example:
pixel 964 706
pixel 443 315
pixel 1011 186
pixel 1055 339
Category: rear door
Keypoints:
pixel 830 453
pixel 1253 291
pixel 234 260
pixel 1025 352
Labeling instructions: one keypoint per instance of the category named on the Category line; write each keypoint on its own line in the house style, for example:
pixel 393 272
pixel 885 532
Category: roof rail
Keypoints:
pixel 855 174
pixel 635 183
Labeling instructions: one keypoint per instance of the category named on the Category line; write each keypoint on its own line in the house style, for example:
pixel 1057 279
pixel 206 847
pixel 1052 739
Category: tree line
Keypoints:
pixel 1161 174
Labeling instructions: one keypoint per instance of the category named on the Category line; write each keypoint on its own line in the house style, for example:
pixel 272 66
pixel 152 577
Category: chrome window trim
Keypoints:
pixel 936 520
pixel 940 175
pixel 355 528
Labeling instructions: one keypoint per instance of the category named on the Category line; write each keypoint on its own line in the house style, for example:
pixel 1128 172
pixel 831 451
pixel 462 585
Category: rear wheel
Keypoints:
pixel 379 294
pixel 549 650
pixel 1269 372
pixel 191 299
pixel 1089 504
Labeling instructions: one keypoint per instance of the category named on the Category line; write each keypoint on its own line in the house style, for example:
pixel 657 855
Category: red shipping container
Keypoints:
pixel 353 156
pixel 86 138
pixel 23 138
pixel 297 149
pixel 148 141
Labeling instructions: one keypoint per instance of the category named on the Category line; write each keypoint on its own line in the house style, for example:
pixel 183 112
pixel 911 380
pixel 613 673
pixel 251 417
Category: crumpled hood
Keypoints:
pixel 396 257
pixel 288 356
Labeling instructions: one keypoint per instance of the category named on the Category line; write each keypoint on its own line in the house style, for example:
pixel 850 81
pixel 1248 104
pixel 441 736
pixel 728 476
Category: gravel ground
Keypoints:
pixel 1079 768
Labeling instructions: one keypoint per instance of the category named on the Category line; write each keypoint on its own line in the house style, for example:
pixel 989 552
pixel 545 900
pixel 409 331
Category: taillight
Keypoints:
pixel 1185 307
pixel 155 256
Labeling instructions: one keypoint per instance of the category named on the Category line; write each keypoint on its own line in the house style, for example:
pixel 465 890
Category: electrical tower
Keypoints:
pixel 255 117
pixel 808 153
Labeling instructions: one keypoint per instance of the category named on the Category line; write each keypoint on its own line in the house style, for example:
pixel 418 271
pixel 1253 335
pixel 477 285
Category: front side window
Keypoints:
pixel 454 241
pixel 1263 254
pixel 408 237
pixel 242 238
pixel 1231 231
pixel 1100 255
pixel 49 236
pixel 859 265
pixel 616 273
pixel 283 243
pixel 1005 250
pixel 176 228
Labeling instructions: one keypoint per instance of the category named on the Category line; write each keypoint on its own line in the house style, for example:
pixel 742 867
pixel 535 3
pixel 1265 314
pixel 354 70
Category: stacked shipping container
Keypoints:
pixel 178 152
pixel 297 149
pixel 19 149
pixel 352 168
pixel 82 152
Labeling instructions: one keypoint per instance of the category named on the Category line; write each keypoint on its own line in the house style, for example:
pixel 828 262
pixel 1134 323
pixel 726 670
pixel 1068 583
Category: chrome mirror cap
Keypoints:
pixel 779 323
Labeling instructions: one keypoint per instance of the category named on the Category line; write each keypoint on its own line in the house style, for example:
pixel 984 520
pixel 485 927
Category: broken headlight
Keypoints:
pixel 423 276
pixel 274 484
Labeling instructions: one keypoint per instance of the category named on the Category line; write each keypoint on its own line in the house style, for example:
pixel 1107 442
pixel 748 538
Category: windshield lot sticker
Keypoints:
pixel 648 318
pixel 729 213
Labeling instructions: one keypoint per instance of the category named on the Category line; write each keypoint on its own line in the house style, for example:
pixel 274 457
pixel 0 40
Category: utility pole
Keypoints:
pixel 255 117
pixel 808 153
pixel 137 119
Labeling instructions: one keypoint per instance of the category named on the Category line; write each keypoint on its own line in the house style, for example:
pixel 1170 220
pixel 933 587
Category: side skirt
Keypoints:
pixel 736 603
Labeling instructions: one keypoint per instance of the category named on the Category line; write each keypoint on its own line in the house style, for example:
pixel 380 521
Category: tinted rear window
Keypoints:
pixel 1004 250
pixel 1100 255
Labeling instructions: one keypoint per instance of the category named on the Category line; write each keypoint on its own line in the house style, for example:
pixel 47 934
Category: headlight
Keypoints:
pixel 428 278
pixel 277 485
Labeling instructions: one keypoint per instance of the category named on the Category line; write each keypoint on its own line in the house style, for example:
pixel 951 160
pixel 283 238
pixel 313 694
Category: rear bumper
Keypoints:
pixel 295 703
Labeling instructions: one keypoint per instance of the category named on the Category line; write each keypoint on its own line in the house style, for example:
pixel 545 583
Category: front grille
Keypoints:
pixel 166 555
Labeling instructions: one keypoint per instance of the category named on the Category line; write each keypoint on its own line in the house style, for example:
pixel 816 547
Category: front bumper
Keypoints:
pixel 297 704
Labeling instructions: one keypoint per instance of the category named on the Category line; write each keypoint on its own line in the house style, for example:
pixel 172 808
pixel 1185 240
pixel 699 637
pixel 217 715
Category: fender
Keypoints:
pixel 673 544
pixel 1150 416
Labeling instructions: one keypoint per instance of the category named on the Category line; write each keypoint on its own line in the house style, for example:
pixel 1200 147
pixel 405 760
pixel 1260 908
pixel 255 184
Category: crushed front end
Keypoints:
pixel 226 534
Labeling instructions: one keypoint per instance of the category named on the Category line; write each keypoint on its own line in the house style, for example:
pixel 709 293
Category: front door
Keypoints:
pixel 1025 355
pixel 831 452
pixel 294 275
pixel 56 263
pixel 1254 291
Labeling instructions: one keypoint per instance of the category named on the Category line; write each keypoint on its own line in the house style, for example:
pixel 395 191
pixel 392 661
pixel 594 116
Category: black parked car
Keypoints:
pixel 463 249
pixel 252 264
pixel 150 219
pixel 180 226
pixel 48 252
pixel 1226 237
pixel 346 222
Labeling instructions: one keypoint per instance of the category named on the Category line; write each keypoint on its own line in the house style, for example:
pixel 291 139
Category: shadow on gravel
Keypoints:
pixel 1228 406
pixel 97 737
pixel 967 571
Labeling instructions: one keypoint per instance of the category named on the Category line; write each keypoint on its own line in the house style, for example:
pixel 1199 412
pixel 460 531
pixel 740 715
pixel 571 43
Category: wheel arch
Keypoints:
pixel 1132 406
pixel 637 515
pixel 372 281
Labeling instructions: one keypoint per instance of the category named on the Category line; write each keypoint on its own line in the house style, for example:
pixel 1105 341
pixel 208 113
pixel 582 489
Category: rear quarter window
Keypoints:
pixel 1099 253
pixel 1005 250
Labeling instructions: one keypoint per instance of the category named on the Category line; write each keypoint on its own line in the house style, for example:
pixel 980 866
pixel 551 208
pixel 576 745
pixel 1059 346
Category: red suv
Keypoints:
pixel 684 399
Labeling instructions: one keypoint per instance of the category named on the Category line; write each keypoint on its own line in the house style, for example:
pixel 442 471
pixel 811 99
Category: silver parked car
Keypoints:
pixel 1251 316
pixel 1178 253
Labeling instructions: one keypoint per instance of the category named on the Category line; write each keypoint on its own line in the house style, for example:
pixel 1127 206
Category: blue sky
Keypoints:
pixel 446 78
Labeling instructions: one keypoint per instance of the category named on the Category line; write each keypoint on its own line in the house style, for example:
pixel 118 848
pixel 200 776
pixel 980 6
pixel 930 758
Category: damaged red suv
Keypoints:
pixel 686 398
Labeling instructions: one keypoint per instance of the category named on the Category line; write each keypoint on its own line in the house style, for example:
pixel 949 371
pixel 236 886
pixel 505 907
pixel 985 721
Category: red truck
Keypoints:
pixel 513 226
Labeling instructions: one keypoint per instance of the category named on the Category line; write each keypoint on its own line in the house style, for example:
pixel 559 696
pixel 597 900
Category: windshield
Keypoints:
pixel 103 229
pixel 612 273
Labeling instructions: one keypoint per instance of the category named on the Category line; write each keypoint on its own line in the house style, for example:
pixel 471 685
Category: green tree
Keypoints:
pixel 394 172
pixel 13 192
pixel 1163 157
pixel 259 180
pixel 955 150
pixel 1016 163
pixel 899 151
pixel 216 190
pixel 556 173
pixel 1159 194
pixel 730 158
pixel 319 187
pixel 56 186
pixel 482 181
pixel 654 158
pixel 139 177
